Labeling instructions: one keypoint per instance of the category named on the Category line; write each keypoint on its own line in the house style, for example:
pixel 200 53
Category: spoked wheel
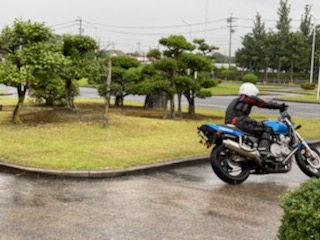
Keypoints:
pixel 309 163
pixel 224 163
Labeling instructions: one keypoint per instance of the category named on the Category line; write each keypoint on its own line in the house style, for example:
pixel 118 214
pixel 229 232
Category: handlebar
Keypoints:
pixel 285 114
pixel 283 107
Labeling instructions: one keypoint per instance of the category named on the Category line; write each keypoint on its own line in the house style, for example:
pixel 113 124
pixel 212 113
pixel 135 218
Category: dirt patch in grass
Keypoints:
pixel 93 112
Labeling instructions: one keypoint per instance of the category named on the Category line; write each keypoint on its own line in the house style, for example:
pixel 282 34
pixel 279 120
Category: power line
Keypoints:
pixel 152 27
pixel 67 26
pixel 128 30
pixel 106 27
pixel 151 34
pixel 65 23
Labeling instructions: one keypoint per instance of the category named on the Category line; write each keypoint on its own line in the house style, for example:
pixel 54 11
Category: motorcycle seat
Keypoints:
pixel 235 128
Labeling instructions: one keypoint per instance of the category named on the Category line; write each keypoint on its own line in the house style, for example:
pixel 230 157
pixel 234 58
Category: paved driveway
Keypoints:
pixel 182 203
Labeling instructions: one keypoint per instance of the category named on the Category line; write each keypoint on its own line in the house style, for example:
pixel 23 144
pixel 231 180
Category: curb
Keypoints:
pixel 100 173
pixel 108 173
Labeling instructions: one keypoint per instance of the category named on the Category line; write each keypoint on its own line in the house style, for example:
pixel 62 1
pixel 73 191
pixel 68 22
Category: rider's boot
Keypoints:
pixel 264 145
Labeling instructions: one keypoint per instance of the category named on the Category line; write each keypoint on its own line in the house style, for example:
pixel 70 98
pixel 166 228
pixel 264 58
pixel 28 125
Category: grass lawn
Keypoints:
pixel 311 97
pixel 232 87
pixel 229 87
pixel 63 139
pixel 58 138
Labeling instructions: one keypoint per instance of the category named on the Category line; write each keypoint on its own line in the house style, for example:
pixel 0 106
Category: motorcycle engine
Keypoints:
pixel 280 149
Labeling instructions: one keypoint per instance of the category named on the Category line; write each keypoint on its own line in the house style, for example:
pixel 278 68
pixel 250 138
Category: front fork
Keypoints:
pixel 310 154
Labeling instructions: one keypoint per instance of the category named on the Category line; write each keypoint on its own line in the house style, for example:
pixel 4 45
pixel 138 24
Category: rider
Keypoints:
pixel 239 109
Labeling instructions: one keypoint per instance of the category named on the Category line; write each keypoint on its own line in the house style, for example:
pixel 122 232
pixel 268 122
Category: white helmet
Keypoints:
pixel 249 89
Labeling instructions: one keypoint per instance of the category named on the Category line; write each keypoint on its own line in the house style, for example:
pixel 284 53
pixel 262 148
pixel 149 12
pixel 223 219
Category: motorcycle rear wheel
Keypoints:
pixel 224 166
pixel 309 165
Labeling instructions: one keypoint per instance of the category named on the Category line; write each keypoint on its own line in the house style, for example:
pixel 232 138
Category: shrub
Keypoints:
pixel 208 83
pixel 250 77
pixel 203 94
pixel 308 86
pixel 219 80
pixel 301 219
pixel 229 74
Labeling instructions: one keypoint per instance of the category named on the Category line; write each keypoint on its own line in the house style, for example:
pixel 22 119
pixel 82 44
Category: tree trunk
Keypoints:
pixel 172 107
pixel 49 100
pixel 192 107
pixel 108 95
pixel 171 96
pixel 165 107
pixel 191 103
pixel 21 96
pixel 69 95
pixel 279 70
pixel 179 104
pixel 291 73
pixel 266 74
pixel 153 101
pixel 119 101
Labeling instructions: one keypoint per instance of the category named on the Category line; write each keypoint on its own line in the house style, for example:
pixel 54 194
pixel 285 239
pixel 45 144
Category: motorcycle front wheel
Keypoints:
pixel 307 163
pixel 225 166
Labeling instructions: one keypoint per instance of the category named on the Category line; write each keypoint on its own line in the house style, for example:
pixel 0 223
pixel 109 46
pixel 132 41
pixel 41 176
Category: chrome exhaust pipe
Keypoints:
pixel 242 150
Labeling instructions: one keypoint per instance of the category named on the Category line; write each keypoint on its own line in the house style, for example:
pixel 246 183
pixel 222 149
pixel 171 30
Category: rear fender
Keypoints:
pixel 207 135
pixel 212 133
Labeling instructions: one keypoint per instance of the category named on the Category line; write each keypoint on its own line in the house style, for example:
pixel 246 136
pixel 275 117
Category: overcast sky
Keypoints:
pixel 132 25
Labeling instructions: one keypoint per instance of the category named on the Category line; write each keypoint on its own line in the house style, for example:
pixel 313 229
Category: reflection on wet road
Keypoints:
pixel 184 203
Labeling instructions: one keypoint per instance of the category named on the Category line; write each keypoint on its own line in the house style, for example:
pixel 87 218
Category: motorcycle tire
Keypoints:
pixel 307 163
pixel 226 168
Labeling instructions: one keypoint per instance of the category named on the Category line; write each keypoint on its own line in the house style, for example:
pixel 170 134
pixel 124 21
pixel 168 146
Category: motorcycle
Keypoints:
pixel 235 153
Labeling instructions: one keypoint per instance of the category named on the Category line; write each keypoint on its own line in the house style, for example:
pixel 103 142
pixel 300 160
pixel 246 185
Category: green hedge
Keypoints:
pixel 250 77
pixel 308 86
pixel 301 219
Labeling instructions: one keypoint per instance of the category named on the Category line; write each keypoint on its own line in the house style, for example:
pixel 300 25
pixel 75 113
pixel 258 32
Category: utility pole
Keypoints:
pixel 230 21
pixel 107 96
pixel 318 81
pixel 139 46
pixel 80 25
pixel 312 51
pixel 206 22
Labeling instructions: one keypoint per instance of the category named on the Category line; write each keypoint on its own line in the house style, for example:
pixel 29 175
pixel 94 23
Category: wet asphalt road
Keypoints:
pixel 310 110
pixel 181 203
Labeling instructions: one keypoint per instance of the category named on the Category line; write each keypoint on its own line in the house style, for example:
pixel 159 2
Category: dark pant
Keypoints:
pixel 258 129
